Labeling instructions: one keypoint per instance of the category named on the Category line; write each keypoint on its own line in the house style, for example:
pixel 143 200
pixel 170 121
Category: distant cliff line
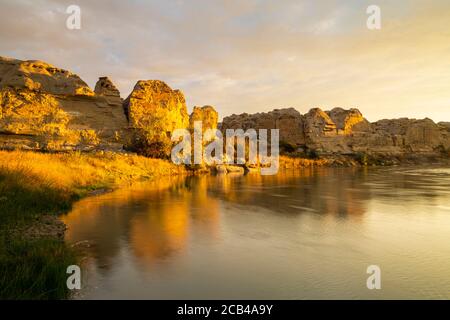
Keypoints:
pixel 43 107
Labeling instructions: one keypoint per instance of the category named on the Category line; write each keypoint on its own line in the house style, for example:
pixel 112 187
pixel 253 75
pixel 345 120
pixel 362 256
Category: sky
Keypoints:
pixel 250 55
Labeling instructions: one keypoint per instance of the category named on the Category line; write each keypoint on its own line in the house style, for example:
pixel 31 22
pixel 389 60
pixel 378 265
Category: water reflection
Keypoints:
pixel 152 218
pixel 152 240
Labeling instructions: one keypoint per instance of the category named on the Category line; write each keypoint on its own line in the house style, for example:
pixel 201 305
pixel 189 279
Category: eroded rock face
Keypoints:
pixel 34 120
pixel 44 107
pixel 153 105
pixel 445 125
pixel 334 131
pixel 348 121
pixel 318 124
pixel 406 135
pixel 288 121
pixel 343 131
pixel 207 115
pixel 154 111
pixel 42 77
pixel 106 88
pixel 28 112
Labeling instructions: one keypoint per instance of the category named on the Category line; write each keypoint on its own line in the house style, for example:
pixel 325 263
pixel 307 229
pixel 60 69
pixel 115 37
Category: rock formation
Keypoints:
pixel 153 105
pixel 207 115
pixel 288 121
pixel 44 107
pixel 445 125
pixel 318 124
pixel 348 121
pixel 154 111
pixel 106 88
pixel 341 131
pixel 39 76
pixel 408 135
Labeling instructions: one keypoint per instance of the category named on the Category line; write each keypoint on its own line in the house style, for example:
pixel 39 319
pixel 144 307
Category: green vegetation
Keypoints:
pixel 34 269
pixel 30 268
pixel 33 186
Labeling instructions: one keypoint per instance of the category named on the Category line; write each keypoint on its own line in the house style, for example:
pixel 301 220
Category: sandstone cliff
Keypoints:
pixel 47 108
pixel 40 76
pixel 288 121
pixel 341 131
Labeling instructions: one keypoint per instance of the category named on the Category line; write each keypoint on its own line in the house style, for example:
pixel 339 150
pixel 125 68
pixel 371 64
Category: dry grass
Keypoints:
pixel 291 162
pixel 36 184
pixel 77 171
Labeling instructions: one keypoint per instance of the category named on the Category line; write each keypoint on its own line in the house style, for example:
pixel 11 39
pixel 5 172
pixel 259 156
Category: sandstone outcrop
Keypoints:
pixel 41 77
pixel 153 105
pixel 207 115
pixel 288 121
pixel 106 88
pixel 318 124
pixel 44 107
pixel 154 111
pixel 348 121
pixel 407 136
pixel 341 131
pixel 47 108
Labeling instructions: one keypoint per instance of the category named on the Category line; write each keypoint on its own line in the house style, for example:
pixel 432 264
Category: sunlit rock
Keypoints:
pixel 42 77
pixel 106 88
pixel 47 108
pixel 207 115
pixel 288 121
pixel 154 111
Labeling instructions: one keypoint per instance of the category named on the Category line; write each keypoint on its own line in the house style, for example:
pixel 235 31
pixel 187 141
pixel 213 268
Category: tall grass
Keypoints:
pixel 33 185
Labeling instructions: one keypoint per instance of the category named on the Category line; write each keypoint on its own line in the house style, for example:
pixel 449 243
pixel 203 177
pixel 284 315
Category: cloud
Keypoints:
pixel 249 56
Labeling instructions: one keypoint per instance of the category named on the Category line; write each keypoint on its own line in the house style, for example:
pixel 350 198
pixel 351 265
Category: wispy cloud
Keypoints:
pixel 250 55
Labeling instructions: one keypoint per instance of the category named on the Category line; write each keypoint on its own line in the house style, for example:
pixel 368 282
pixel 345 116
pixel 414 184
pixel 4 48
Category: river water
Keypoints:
pixel 305 234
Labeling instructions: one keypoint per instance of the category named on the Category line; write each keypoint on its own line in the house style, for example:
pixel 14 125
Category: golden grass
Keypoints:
pixel 75 171
pixel 35 184
pixel 287 162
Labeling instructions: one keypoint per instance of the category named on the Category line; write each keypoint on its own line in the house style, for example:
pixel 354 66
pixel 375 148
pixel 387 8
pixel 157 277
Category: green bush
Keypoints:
pixel 34 269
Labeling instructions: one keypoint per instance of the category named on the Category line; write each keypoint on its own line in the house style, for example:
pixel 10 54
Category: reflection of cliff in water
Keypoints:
pixel 157 221
pixel 341 193
pixel 153 218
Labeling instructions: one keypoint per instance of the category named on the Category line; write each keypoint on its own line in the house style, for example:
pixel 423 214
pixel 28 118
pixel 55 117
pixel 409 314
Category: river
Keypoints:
pixel 302 234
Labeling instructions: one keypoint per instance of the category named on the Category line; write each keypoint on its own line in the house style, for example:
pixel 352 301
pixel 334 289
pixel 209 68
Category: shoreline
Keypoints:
pixel 35 190
pixel 39 188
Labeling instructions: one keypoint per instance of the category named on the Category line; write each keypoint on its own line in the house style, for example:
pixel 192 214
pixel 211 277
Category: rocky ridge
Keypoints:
pixel 341 131
pixel 47 108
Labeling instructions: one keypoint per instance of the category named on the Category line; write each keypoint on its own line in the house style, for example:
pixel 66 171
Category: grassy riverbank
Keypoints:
pixel 34 188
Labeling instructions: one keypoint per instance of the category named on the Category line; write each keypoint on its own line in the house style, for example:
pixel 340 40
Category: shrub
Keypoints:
pixel 286 147
pixel 150 144
pixel 312 154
